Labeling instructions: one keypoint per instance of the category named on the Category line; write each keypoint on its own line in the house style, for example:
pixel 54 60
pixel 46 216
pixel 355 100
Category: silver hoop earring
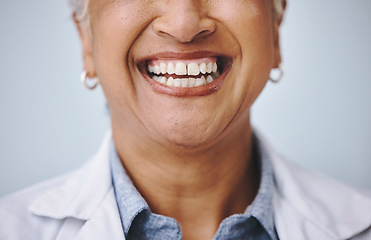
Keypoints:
pixel 88 83
pixel 276 74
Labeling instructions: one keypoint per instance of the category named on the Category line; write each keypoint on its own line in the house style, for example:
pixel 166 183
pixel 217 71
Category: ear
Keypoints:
pixel 87 47
pixel 276 37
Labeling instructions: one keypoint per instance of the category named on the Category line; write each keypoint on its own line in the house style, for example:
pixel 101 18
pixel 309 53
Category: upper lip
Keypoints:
pixel 181 56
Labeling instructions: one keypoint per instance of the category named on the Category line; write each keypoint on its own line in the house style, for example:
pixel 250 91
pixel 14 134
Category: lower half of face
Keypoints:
pixel 182 72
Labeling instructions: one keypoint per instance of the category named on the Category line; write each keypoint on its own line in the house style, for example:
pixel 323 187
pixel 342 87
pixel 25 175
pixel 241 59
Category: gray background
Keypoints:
pixel 319 115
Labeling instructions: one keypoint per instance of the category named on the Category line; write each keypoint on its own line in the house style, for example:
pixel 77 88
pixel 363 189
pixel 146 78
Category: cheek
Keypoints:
pixel 250 23
pixel 115 27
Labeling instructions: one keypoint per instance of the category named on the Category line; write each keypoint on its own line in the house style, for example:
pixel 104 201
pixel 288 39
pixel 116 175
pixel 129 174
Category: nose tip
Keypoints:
pixel 184 22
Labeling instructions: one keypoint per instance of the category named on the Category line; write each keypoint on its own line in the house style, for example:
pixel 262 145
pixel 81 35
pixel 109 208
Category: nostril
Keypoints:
pixel 183 26
pixel 203 33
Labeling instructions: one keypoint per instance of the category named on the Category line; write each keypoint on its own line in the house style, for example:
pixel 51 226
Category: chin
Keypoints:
pixel 184 138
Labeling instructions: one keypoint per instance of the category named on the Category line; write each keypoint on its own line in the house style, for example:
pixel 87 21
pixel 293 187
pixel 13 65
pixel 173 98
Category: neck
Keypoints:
pixel 197 187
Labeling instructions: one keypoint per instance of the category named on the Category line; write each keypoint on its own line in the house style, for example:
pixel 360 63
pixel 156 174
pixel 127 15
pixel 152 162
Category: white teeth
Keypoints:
pixel 203 68
pixel 191 82
pixel 209 79
pixel 199 82
pixel 193 69
pixel 209 67
pixel 177 82
pixel 215 67
pixel 180 69
pixel 156 69
pixel 209 72
pixel 170 81
pixel 163 68
pixel 203 79
pixel 162 80
pixel 184 82
pixel 170 68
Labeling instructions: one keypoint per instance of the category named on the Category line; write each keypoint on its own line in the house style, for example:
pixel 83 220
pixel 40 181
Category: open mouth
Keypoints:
pixel 186 77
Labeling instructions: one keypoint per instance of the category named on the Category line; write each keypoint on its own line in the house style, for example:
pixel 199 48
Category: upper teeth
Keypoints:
pixel 181 68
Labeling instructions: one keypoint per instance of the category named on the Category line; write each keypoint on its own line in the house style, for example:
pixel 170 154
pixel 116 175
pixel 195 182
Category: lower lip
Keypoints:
pixel 203 90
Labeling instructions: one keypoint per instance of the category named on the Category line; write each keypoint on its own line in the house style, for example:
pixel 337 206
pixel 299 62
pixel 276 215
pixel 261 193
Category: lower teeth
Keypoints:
pixel 186 82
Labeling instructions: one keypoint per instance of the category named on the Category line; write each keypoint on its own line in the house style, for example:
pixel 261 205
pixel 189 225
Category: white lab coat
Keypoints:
pixel 81 205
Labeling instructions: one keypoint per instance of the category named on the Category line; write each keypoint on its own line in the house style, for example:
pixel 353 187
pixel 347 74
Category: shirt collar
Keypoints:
pixel 262 206
pixel 131 203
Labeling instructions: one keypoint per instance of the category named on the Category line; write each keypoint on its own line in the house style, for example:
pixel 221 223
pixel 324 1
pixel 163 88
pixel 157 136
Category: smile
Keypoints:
pixel 185 74
pixel 185 77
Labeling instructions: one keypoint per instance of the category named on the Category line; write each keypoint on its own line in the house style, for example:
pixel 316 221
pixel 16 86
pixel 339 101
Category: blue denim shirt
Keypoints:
pixel 139 223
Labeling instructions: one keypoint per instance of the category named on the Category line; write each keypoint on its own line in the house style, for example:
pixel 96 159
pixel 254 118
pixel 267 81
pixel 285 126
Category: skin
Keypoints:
pixel 190 157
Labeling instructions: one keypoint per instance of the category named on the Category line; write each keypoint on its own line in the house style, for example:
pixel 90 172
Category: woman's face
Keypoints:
pixel 151 56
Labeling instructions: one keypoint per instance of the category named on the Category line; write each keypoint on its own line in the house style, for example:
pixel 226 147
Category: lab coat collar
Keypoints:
pixel 320 205
pixel 304 202
pixel 105 223
pixel 88 196
pixel 82 193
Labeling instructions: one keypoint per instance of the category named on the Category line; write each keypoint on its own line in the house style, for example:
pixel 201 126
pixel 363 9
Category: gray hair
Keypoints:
pixel 278 8
pixel 81 8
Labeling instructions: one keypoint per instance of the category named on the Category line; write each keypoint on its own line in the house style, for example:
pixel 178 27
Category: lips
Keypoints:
pixel 181 75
